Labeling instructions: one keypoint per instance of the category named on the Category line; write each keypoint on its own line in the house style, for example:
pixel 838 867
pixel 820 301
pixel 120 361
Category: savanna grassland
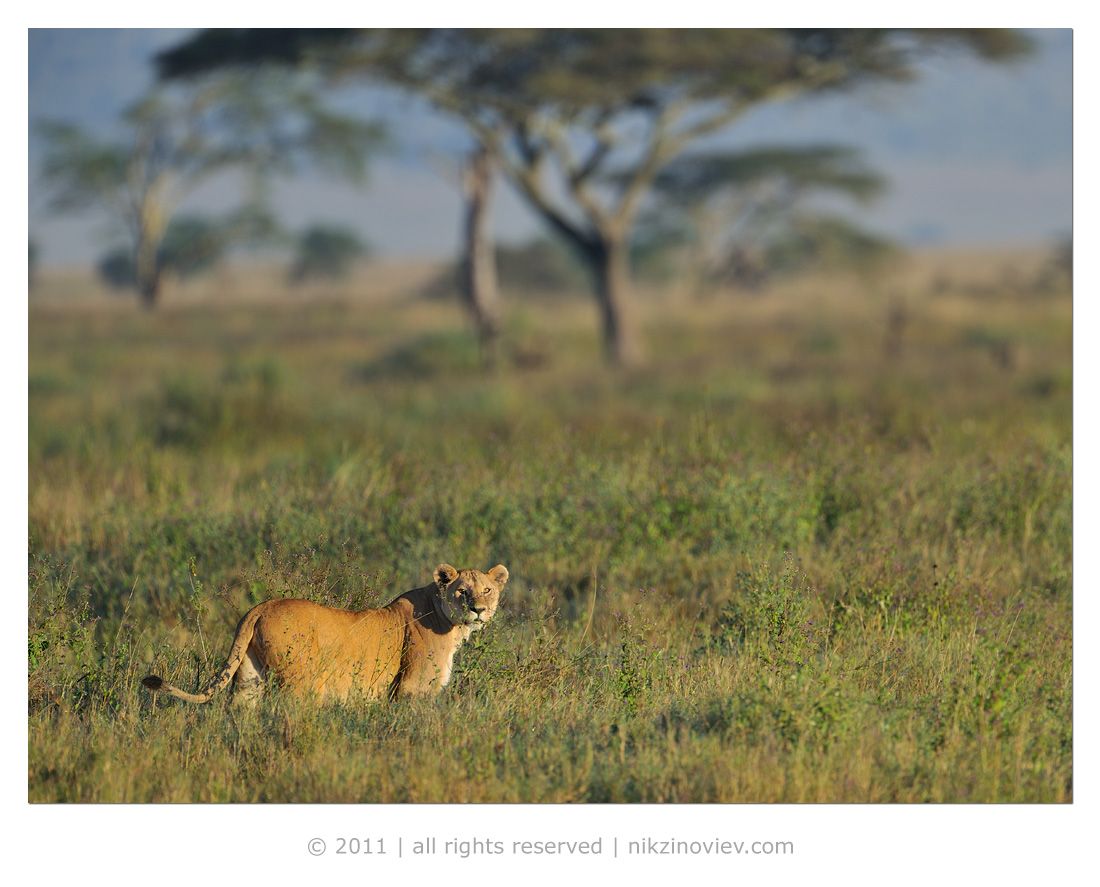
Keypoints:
pixel 819 549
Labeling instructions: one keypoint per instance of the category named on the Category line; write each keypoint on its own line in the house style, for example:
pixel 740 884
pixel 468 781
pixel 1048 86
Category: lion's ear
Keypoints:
pixel 445 574
pixel 499 574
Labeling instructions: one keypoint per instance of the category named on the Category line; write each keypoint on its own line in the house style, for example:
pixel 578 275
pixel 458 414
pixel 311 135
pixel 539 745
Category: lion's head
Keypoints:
pixel 469 597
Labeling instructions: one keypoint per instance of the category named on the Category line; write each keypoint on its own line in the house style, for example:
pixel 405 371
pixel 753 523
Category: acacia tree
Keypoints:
pixel 191 245
pixel 740 207
pixel 174 140
pixel 583 121
pixel 391 57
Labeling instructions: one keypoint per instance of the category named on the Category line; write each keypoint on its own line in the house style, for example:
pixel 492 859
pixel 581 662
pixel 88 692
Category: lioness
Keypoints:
pixel 404 649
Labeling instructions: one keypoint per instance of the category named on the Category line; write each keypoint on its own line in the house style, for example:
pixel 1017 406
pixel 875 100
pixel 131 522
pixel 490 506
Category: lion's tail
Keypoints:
pixel 241 641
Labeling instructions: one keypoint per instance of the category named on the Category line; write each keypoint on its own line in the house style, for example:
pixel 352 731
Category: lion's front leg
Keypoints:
pixel 426 674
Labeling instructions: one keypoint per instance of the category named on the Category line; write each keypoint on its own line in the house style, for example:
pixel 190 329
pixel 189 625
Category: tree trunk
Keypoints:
pixel 147 267
pixel 622 343
pixel 147 274
pixel 149 290
pixel 479 273
pixel 604 245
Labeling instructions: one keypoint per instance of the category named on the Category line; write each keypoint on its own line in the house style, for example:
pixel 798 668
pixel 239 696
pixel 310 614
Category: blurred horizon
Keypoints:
pixel 974 155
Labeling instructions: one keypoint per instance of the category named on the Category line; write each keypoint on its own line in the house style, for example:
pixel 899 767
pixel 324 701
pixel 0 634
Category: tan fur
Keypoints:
pixel 406 648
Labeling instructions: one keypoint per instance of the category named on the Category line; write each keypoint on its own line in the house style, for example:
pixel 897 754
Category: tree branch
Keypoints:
pixel 605 142
pixel 661 150
pixel 576 176
pixel 526 174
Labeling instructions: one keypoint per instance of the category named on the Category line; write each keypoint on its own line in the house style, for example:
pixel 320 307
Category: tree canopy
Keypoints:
pixel 742 214
pixel 584 120
pixel 173 139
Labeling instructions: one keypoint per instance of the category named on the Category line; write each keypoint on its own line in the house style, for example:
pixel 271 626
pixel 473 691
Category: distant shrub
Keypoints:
pixel 1057 270
pixel 191 246
pixel 542 266
pixel 32 263
pixel 826 242
pixel 116 269
pixel 325 252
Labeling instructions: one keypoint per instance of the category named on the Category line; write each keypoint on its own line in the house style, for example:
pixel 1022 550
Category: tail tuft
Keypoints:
pixel 237 652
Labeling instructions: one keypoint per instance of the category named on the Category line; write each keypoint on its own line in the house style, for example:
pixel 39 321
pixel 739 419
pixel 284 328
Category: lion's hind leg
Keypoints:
pixel 248 682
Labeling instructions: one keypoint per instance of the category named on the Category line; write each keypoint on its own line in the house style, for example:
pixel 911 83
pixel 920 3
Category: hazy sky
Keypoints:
pixel 974 153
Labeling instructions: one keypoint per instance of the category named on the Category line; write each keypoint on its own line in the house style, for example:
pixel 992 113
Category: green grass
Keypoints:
pixel 782 563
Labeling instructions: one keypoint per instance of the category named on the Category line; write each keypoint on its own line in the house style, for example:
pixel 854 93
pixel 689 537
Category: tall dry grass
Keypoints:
pixel 819 550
